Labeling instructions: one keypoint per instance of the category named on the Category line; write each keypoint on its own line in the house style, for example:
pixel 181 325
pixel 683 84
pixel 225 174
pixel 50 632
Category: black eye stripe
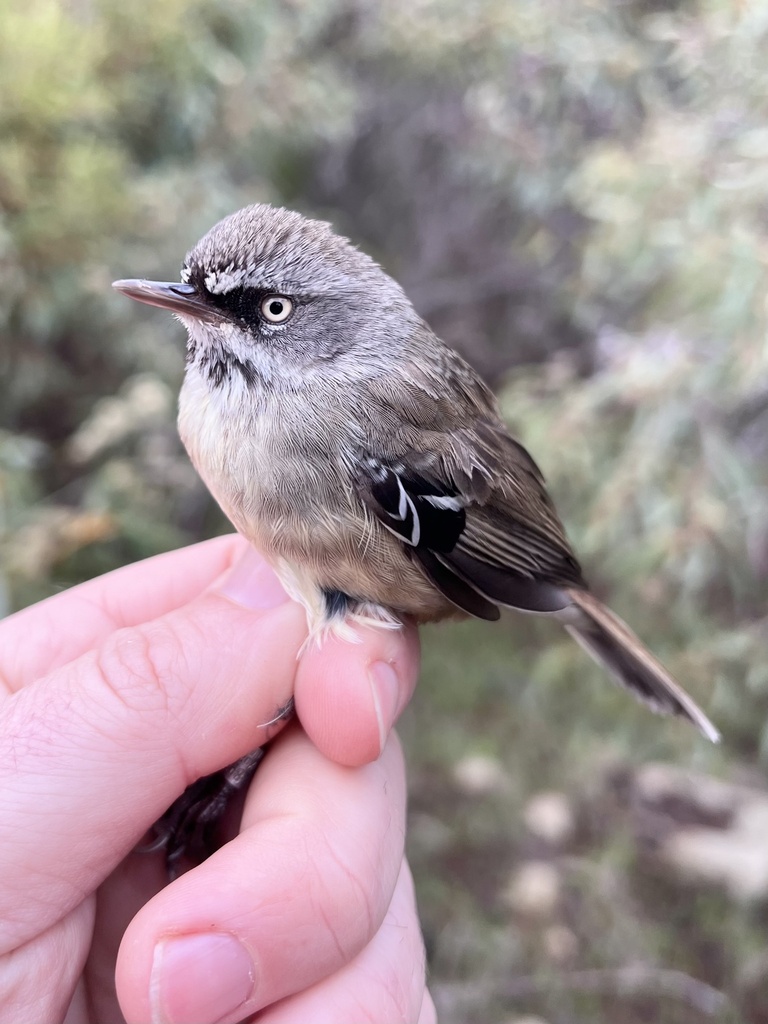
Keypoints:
pixel 245 303
pixel 240 301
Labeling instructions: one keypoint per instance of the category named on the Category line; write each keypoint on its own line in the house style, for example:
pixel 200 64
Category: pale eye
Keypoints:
pixel 276 308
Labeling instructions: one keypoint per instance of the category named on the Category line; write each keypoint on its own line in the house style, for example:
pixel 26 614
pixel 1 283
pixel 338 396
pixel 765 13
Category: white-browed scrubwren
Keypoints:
pixel 361 455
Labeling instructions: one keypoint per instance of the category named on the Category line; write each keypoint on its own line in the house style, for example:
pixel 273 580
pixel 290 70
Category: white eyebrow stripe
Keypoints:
pixel 219 282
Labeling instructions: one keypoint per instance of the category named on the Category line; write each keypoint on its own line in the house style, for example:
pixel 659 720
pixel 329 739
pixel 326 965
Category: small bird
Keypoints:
pixel 362 456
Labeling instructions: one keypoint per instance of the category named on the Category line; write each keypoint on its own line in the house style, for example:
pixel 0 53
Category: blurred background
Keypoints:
pixel 575 194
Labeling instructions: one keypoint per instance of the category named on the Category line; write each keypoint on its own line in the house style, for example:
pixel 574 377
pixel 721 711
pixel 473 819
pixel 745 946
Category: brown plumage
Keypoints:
pixel 366 459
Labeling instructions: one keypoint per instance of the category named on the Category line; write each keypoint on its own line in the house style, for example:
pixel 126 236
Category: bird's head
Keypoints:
pixel 269 295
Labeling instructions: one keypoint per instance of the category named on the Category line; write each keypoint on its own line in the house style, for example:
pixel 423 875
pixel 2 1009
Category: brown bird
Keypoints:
pixel 363 456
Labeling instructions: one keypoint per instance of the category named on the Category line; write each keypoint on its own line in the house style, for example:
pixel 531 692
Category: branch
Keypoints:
pixel 624 982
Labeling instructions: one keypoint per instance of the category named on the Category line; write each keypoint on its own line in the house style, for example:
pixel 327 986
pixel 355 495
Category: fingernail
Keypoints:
pixel 200 978
pixel 385 689
pixel 252 583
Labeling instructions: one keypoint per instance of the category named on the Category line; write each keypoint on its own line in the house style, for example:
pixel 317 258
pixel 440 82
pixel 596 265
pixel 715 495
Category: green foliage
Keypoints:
pixel 575 194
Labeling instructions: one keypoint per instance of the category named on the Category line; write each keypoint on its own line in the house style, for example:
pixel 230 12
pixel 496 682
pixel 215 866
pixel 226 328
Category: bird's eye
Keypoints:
pixel 276 308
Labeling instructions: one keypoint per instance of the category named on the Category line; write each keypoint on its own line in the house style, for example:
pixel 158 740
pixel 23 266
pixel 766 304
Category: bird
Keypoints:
pixel 362 456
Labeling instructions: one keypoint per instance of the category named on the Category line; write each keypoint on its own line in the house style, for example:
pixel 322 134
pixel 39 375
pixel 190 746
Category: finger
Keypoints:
pixel 92 754
pixel 37 979
pixel 384 982
pixel 428 1012
pixel 51 633
pixel 349 695
pixel 288 902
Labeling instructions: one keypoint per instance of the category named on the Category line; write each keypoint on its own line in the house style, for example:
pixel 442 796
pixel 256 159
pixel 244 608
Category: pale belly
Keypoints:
pixel 289 498
pixel 348 551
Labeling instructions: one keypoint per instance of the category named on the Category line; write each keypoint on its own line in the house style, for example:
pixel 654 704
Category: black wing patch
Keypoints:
pixel 457 590
pixel 474 556
pixel 415 509
pixel 429 519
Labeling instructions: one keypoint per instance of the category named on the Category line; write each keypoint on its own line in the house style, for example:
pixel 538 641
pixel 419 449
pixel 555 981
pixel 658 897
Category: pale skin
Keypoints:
pixel 113 697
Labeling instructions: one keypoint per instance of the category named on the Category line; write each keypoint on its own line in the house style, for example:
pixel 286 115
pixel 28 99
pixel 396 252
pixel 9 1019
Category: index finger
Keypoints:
pixel 92 753
pixel 54 632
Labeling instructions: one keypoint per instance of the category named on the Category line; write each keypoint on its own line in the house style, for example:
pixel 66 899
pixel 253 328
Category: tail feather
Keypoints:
pixel 613 644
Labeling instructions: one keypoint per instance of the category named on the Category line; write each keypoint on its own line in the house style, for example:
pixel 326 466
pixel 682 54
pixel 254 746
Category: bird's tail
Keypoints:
pixel 613 644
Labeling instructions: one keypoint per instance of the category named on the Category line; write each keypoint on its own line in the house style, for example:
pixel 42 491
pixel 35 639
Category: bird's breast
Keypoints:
pixel 283 475
pixel 273 470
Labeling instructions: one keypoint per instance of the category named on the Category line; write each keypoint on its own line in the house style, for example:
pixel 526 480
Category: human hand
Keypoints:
pixel 116 695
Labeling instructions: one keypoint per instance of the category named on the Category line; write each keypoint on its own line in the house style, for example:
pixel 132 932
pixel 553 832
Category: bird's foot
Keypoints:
pixel 191 828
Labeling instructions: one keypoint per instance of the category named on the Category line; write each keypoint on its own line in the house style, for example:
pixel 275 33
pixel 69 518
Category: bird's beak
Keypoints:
pixel 182 299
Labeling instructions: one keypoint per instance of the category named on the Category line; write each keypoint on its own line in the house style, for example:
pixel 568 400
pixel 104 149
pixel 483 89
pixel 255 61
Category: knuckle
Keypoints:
pixel 360 903
pixel 145 668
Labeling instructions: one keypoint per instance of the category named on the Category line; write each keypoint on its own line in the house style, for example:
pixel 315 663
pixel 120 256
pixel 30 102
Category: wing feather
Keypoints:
pixel 480 538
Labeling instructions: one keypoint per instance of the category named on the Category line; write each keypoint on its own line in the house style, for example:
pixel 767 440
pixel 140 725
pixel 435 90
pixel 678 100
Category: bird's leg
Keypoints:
pixel 334 613
pixel 190 828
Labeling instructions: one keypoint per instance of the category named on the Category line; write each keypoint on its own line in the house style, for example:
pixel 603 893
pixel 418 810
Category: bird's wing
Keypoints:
pixel 471 508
